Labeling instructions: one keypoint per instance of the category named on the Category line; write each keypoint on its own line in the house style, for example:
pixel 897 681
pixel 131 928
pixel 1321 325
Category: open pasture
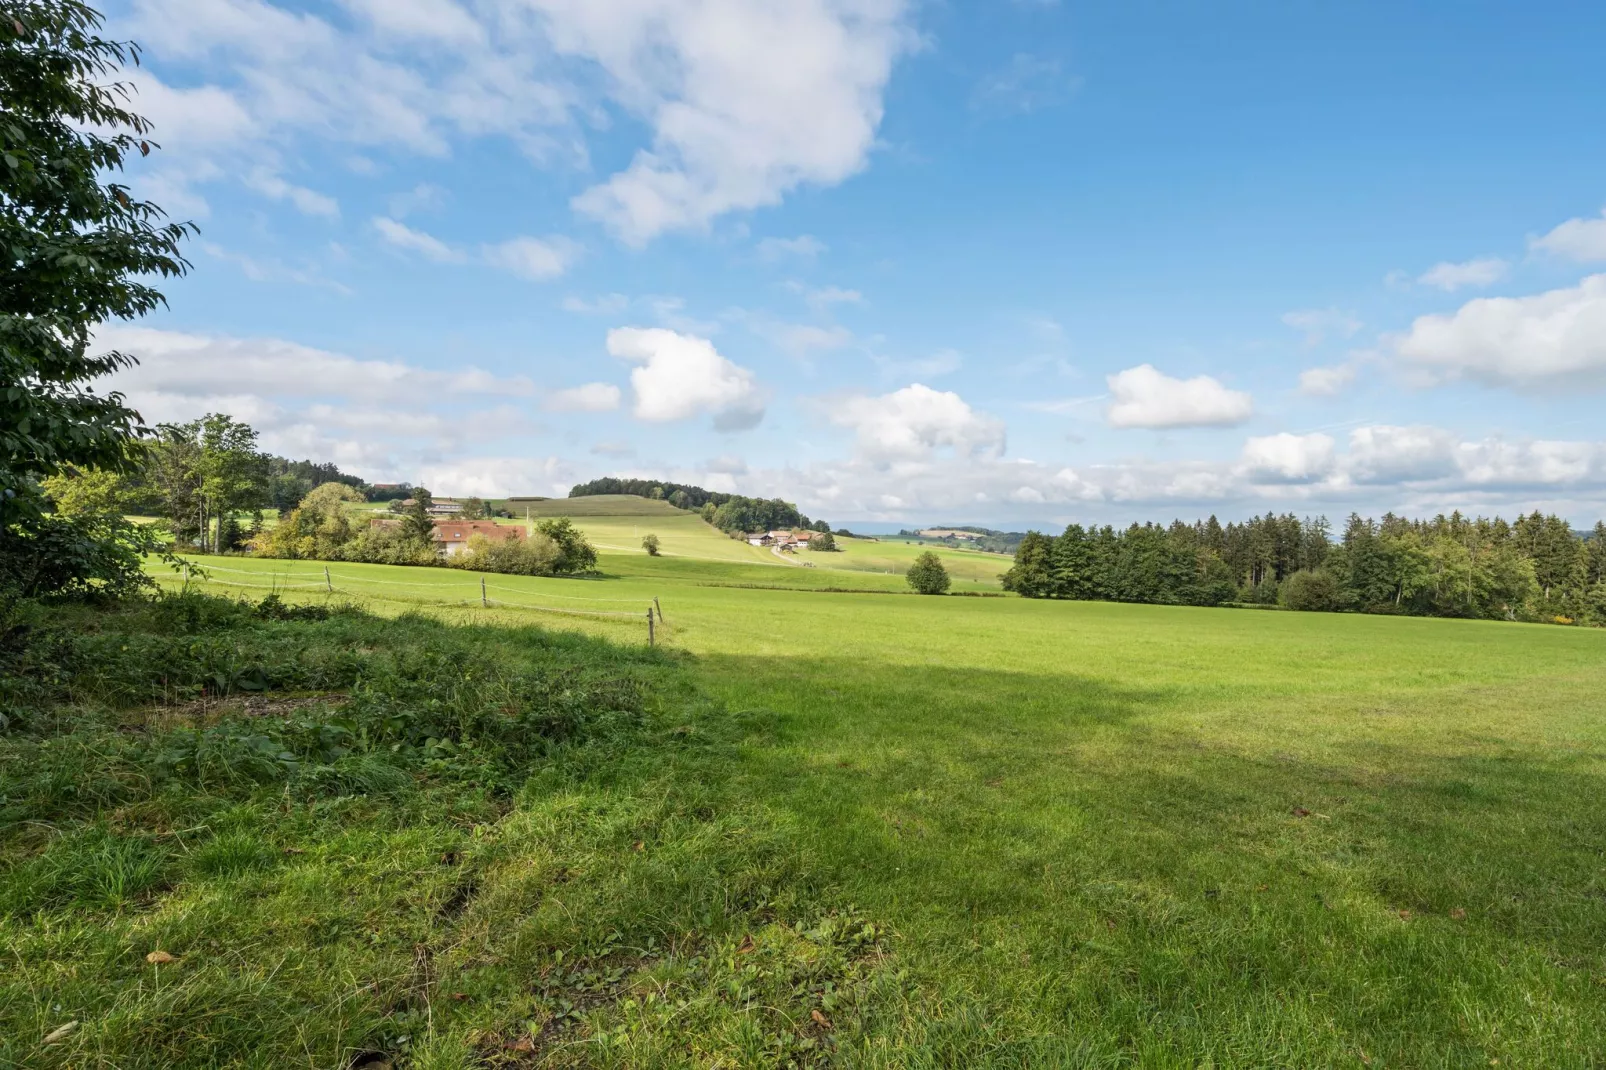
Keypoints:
pixel 1109 833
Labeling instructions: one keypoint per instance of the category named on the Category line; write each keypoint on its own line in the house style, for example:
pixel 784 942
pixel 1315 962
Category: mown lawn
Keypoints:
pixel 966 831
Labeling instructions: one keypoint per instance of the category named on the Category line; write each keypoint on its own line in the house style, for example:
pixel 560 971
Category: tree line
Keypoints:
pixel 733 514
pixel 1535 568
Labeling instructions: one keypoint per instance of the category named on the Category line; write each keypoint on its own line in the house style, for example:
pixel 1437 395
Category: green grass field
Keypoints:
pixel 1087 835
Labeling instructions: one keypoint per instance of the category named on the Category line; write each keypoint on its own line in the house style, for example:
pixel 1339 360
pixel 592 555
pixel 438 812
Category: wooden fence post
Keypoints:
pixel 186 575
pixel 484 602
pixel 649 628
pixel 327 582
pixel 660 609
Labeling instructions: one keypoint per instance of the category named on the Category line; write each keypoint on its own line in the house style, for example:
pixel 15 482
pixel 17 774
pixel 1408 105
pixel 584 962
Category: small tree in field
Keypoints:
pixel 927 575
pixel 649 543
pixel 822 542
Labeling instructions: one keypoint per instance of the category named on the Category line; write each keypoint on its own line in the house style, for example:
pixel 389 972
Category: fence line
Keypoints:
pixel 428 600
pixel 346 577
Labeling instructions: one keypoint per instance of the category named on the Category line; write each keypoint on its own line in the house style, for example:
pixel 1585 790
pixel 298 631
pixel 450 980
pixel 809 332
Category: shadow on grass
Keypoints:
pixel 1078 877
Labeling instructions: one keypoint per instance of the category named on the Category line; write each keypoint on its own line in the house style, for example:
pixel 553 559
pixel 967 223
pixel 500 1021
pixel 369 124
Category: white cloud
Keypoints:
pixel 681 376
pixel 743 102
pixel 804 246
pixel 307 202
pixel 1326 382
pixel 199 365
pixel 1385 454
pixel 379 418
pixel 915 422
pixel 589 397
pixel 404 237
pixel 1146 397
pixel 1449 277
pixel 1546 339
pixel 1319 324
pixel 536 259
pixel 1577 239
pixel 1289 457
pixel 746 101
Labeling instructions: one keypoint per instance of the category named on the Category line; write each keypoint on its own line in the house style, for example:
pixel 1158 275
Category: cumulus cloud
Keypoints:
pixel 1544 340
pixel 746 102
pixel 1289 457
pixel 589 397
pixel 1326 382
pixel 379 418
pixel 1449 277
pixel 1577 239
pixel 1386 454
pixel 915 422
pixel 743 103
pixel 536 259
pixel 680 376
pixel 1146 397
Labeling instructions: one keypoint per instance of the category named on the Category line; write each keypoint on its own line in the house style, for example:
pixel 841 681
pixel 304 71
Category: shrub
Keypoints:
pixel 927 575
pixel 822 542
pixel 649 542
pixel 537 555
pixel 575 554
pixel 1314 590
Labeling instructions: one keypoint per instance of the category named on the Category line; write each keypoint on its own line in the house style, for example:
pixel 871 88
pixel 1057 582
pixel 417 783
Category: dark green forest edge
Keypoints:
pixel 1535 569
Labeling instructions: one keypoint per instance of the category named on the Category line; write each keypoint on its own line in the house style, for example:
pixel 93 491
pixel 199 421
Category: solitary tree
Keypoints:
pixel 649 543
pixel 927 575
pixel 822 542
pixel 76 250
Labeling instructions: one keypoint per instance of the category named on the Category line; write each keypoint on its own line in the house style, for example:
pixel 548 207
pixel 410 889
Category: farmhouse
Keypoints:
pixel 784 540
pixel 452 536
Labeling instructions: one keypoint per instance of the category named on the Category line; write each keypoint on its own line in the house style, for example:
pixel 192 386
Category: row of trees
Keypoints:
pixel 1535 568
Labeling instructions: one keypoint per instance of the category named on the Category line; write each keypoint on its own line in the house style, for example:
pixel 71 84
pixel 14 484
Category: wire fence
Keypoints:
pixel 430 592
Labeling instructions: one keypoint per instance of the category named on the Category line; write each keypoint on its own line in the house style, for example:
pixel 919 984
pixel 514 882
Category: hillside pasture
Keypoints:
pixel 1108 835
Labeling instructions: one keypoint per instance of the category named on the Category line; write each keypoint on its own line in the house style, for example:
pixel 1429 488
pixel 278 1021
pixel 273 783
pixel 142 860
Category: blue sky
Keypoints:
pixel 1012 263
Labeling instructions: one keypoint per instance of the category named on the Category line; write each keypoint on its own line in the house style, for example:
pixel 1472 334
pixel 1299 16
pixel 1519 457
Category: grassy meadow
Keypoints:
pixel 813 828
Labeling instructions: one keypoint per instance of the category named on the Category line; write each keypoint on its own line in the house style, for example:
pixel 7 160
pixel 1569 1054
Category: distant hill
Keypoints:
pixel 593 505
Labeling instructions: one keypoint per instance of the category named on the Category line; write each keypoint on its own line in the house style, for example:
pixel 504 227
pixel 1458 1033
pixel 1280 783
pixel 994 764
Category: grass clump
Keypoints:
pixel 239 834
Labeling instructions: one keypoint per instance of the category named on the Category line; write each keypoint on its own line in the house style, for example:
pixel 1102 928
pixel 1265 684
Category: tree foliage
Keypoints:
pixel 927 575
pixel 79 251
pixel 649 543
pixel 1536 568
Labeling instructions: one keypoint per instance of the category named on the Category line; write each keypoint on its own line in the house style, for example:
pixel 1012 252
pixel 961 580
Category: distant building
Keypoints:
pixel 452 536
pixel 437 506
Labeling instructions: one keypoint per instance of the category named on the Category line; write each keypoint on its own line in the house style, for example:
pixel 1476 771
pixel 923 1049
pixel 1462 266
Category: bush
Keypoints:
pixel 575 554
pixel 94 554
pixel 927 575
pixel 1312 590
pixel 537 555
pixel 822 542
pixel 649 542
